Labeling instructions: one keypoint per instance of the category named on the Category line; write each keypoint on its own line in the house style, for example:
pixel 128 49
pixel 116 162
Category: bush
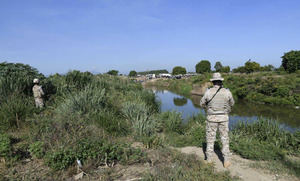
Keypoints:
pixel 100 151
pixel 203 66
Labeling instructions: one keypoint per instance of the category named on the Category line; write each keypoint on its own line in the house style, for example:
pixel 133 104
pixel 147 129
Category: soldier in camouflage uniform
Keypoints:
pixel 38 94
pixel 218 102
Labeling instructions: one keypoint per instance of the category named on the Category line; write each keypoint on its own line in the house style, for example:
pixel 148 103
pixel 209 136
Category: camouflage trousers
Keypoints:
pixel 39 102
pixel 213 123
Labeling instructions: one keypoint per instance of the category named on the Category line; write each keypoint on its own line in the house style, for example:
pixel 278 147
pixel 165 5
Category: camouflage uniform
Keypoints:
pixel 217 111
pixel 38 94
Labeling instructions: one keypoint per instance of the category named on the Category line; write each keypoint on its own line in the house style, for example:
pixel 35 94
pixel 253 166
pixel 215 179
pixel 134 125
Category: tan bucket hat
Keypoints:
pixel 36 81
pixel 217 76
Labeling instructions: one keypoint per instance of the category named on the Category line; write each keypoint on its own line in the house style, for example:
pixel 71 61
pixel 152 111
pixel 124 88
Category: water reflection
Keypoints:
pixel 180 101
pixel 242 111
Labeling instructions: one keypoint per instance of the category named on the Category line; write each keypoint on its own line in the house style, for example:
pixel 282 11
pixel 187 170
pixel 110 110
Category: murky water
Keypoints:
pixel 288 117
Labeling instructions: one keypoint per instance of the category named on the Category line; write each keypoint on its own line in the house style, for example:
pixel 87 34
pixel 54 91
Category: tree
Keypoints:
pixel 156 72
pixel 203 66
pixel 218 66
pixel 240 69
pixel 178 70
pixel 132 73
pixel 225 69
pixel 113 72
pixel 17 78
pixel 251 66
pixel 267 68
pixel 291 61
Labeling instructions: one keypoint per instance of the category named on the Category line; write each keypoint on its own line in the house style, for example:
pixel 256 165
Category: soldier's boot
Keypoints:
pixel 227 164
pixel 208 160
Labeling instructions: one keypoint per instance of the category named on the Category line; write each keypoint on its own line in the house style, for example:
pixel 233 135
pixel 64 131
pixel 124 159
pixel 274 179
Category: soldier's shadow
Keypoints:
pixel 217 151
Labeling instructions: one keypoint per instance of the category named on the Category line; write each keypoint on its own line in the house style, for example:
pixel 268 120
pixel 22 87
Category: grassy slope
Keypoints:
pixel 94 119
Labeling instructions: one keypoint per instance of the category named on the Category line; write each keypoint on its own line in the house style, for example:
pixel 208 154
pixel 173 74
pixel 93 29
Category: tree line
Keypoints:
pixel 290 63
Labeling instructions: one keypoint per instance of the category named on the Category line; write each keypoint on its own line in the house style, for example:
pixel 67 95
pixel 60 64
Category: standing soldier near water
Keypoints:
pixel 38 94
pixel 218 102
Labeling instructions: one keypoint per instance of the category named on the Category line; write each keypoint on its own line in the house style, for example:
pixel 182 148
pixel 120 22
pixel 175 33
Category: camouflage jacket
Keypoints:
pixel 37 91
pixel 220 104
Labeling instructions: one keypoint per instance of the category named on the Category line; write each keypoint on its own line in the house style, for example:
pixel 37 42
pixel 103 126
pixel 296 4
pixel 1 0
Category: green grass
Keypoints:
pixel 185 167
pixel 96 118
pixel 260 87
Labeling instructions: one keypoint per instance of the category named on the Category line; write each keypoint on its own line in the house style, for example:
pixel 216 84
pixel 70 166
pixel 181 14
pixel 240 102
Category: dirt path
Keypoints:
pixel 240 167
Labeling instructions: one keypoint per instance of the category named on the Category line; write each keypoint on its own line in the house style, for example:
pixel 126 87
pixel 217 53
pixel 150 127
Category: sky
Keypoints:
pixel 56 36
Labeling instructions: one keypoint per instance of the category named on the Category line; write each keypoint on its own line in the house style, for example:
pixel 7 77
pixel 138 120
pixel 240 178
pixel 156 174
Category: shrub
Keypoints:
pixel 100 151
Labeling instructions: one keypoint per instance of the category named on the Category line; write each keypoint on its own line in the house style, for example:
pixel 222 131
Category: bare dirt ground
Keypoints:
pixel 240 167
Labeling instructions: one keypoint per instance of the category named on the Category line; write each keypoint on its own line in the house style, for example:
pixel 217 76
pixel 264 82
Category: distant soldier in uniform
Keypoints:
pixel 38 94
pixel 218 102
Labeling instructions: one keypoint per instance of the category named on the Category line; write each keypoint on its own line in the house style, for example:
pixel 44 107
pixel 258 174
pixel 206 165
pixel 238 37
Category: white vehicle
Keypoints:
pixel 165 75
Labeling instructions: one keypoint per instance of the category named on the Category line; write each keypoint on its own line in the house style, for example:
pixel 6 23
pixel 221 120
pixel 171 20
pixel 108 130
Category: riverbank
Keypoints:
pixel 262 88
pixel 100 127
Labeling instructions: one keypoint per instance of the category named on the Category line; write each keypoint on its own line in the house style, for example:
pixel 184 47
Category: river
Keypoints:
pixel 288 117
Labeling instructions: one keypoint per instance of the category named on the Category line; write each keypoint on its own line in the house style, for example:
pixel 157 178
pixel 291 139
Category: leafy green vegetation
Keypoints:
pixel 156 72
pixel 98 118
pixel 203 66
pixel 178 70
pixel 132 73
pixel 291 61
pixel 91 118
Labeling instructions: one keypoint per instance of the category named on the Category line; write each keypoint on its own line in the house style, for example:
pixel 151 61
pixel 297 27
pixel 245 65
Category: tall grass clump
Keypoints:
pixel 78 80
pixel 139 115
pixel 89 100
pixel 14 110
pixel 191 134
pixel 264 140
pixel 171 121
